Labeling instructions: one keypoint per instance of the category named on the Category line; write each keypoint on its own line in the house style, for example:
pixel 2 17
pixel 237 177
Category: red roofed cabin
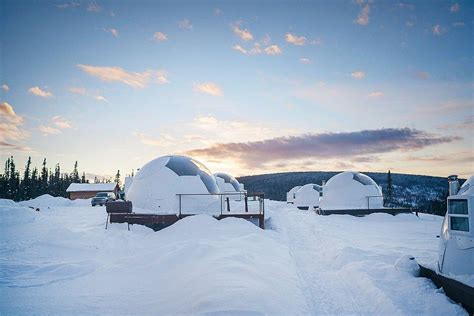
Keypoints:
pixel 89 190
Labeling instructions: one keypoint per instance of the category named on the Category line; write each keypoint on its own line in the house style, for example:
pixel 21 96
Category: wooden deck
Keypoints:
pixel 363 212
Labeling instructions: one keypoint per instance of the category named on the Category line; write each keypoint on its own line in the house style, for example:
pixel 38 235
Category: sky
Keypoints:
pixel 245 87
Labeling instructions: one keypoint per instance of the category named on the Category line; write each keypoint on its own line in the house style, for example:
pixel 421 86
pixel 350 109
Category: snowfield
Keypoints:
pixel 61 260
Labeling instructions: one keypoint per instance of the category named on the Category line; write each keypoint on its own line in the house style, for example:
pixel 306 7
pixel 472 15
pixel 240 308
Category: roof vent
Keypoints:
pixel 453 184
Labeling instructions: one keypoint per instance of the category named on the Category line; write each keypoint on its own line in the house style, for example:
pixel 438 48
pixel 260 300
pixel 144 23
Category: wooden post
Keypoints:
pixel 228 204
pixel 246 205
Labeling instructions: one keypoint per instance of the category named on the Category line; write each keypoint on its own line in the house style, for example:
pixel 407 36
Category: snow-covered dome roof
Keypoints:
pixel 468 187
pixel 228 183
pixel 290 195
pixel 351 190
pixel 307 197
pixel 156 184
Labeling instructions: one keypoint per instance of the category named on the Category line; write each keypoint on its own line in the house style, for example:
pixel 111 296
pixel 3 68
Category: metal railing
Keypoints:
pixel 225 202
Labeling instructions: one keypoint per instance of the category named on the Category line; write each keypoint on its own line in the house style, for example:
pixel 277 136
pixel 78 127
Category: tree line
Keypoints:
pixel 34 182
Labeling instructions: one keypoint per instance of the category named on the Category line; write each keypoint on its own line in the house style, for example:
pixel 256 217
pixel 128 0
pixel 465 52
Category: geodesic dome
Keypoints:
pixel 227 183
pixel 351 191
pixel 307 197
pixel 290 195
pixel 156 184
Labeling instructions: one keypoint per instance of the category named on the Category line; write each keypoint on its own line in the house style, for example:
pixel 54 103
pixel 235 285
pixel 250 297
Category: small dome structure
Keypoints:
pixel 156 185
pixel 351 191
pixel 456 245
pixel 290 195
pixel 307 197
pixel 227 183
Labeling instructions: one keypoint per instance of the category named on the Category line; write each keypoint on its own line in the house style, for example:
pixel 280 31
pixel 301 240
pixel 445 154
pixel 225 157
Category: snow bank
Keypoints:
pixel 61 263
pixel 48 201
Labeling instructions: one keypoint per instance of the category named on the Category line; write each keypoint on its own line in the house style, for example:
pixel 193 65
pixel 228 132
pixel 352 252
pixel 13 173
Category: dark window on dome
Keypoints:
pixel 362 178
pixel 184 166
pixel 317 188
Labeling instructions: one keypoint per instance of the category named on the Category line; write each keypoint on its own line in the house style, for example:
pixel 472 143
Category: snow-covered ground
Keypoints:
pixel 61 260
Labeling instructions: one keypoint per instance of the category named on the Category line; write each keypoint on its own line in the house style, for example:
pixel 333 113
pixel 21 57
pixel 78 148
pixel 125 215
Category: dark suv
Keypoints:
pixel 102 197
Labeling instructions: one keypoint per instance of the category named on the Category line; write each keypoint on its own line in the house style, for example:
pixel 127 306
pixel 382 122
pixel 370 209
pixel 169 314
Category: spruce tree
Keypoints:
pixel 83 178
pixel 26 183
pixel 117 179
pixel 75 174
pixel 43 187
pixel 389 189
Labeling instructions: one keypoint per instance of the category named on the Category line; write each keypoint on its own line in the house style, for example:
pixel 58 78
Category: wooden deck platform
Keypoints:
pixel 362 212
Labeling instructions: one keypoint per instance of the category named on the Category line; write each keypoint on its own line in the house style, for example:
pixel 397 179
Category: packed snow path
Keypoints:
pixel 61 260
pixel 345 264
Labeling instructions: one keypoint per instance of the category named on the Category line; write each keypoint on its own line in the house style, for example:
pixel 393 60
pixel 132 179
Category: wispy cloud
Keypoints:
pixel 244 34
pixel 239 48
pixel 83 91
pixel 454 8
pixel 185 24
pixel 48 130
pixel 438 29
pixel 295 39
pixel 5 88
pixel 113 31
pixel 273 50
pixel 94 7
pixel 10 129
pixel 217 12
pixel 163 141
pixel 208 88
pixel 160 36
pixel 117 74
pixel 424 75
pixel 358 75
pixel 459 24
pixel 323 146
pixel 40 92
pixel 305 60
pixel 61 122
pixel 363 16
pixel 66 5
pixel 466 125
pixel 376 94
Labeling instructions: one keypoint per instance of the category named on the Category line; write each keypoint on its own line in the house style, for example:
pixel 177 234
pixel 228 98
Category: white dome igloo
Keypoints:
pixel 227 183
pixel 307 197
pixel 156 185
pixel 290 195
pixel 351 191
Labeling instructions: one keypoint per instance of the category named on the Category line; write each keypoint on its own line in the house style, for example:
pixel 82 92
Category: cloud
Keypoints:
pixel 437 29
pixel 160 37
pixel 423 75
pixel 61 122
pixel 209 88
pixel 66 5
pixel 5 88
pixel 84 92
pixel 48 130
pixel 10 128
pixel 376 94
pixel 94 7
pixel 217 12
pixel 459 24
pixel 101 98
pixel 363 17
pixel 323 146
pixel 454 8
pixel 409 23
pixel 239 48
pixel 408 6
pixel 8 114
pixel 466 125
pixel 164 141
pixel 185 24
pixel 244 34
pixel 133 79
pixel 305 60
pixel 114 32
pixel 358 75
pixel 39 92
pixel 272 50
pixel 295 39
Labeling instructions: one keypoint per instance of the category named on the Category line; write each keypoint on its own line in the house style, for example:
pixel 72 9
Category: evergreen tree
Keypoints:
pixel 389 190
pixel 75 174
pixel 83 178
pixel 117 179
pixel 43 186
pixel 34 183
pixel 26 183
pixel 13 182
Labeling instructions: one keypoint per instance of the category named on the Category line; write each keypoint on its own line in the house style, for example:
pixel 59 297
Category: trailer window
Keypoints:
pixel 457 207
pixel 460 223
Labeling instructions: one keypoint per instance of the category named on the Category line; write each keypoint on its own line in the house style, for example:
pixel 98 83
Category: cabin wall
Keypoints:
pixel 84 194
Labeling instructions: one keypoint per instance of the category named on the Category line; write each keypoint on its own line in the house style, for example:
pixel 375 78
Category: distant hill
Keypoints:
pixel 426 193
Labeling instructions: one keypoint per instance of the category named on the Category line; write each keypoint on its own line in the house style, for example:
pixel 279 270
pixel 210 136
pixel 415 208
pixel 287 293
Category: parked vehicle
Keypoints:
pixel 102 197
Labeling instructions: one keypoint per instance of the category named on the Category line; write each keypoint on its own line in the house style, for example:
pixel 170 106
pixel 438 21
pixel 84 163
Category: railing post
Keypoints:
pixel 228 204
pixel 246 204
pixel 179 215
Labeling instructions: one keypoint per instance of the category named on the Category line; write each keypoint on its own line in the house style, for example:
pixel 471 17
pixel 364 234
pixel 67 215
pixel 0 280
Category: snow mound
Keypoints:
pixel 7 202
pixel 408 264
pixel 16 215
pixel 49 201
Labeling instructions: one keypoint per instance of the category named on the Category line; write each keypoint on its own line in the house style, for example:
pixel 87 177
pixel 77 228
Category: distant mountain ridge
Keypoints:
pixel 426 193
